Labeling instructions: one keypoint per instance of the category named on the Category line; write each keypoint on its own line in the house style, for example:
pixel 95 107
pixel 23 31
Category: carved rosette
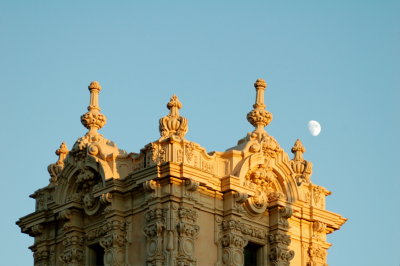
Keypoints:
pixel 301 167
pixel 154 231
pixel 187 234
pixel 173 124
pixel 114 243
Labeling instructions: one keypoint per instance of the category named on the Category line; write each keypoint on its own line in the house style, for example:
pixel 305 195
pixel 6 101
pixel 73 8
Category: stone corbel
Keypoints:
pixel 239 199
pixel 150 187
pixel 190 187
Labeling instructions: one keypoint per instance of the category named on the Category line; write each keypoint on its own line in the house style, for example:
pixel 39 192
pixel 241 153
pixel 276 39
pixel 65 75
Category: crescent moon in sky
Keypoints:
pixel 314 127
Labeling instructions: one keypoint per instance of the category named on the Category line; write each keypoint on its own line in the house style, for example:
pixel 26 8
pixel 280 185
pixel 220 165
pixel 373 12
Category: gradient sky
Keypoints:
pixel 337 62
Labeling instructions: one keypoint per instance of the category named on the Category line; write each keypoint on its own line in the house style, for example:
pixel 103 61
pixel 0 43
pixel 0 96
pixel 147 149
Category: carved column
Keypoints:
pixel 233 243
pixel 317 255
pixel 187 234
pixel 154 231
pixel 39 249
pixel 73 238
pixel 114 243
pixel 279 241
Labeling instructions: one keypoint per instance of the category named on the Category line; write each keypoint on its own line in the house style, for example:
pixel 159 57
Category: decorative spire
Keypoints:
pixel 173 124
pixel 93 120
pixel 301 167
pixel 259 117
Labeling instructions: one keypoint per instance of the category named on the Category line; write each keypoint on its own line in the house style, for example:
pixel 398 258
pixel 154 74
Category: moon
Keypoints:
pixel 314 127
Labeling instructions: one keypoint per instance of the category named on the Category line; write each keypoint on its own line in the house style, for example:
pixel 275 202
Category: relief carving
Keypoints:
pixel 159 153
pixel 280 255
pixel 73 249
pixel 154 231
pixel 189 148
pixel 317 256
pixel 188 231
pixel 88 181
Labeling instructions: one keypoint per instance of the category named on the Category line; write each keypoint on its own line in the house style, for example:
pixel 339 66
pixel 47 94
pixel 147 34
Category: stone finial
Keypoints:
pixel 298 150
pixel 93 119
pixel 56 168
pixel 301 167
pixel 259 117
pixel 173 124
pixel 62 153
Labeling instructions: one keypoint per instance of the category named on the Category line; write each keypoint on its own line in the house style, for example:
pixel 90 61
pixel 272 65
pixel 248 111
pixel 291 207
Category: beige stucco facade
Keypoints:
pixel 173 203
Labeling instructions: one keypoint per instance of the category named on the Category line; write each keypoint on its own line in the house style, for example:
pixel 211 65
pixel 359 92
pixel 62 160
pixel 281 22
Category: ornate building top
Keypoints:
pixel 102 202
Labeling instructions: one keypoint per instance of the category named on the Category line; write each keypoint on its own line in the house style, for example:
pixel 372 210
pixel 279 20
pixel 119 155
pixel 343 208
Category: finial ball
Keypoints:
pixel 94 86
pixel 260 83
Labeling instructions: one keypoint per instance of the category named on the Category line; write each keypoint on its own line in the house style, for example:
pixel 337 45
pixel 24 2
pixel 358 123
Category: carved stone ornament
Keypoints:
pixel 94 120
pixel 73 249
pixel 159 153
pixel 188 231
pixel 280 255
pixel 261 177
pixel 234 238
pixel 259 117
pixel 154 231
pixel 56 168
pixel 87 181
pixel 173 124
pixel 93 144
pixel 317 255
pixel 301 167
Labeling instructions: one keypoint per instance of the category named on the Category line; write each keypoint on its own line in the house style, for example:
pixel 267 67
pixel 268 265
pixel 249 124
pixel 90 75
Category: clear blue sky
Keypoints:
pixel 337 62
